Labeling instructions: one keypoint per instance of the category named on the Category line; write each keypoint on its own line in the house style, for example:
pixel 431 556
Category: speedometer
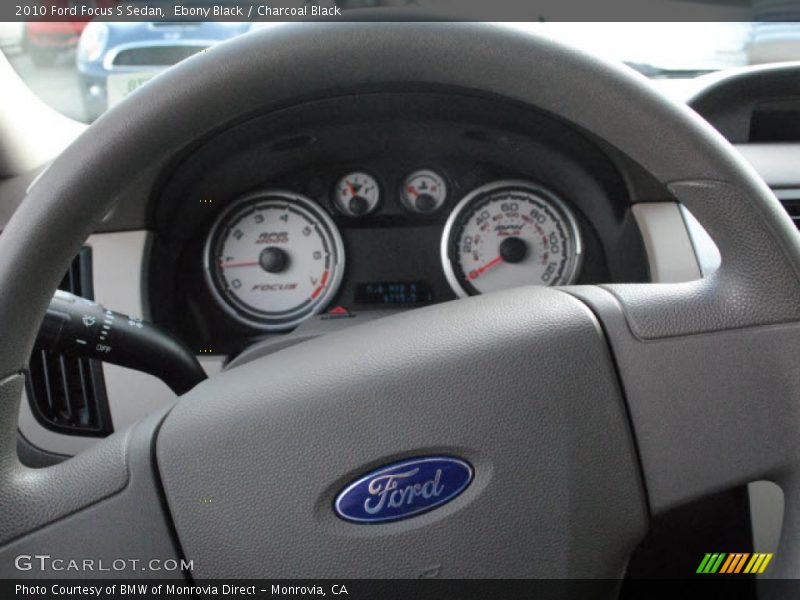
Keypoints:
pixel 507 234
pixel 273 259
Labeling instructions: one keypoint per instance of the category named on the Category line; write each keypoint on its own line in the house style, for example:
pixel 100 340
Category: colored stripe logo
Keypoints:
pixel 734 562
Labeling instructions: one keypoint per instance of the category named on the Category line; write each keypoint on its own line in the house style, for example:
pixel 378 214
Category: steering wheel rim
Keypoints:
pixel 750 301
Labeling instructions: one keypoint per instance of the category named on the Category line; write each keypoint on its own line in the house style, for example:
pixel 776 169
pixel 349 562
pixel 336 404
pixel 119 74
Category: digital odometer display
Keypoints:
pixel 508 234
pixel 394 293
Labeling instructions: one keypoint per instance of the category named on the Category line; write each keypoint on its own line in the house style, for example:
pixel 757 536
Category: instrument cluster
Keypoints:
pixel 379 202
pixel 274 257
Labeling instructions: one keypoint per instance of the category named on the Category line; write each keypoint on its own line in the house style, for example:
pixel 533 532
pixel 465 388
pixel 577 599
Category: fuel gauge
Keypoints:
pixel 424 191
pixel 356 194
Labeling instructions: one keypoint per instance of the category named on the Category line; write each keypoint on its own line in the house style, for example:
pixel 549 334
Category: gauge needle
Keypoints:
pixel 474 274
pixel 242 263
pixel 412 191
pixel 353 188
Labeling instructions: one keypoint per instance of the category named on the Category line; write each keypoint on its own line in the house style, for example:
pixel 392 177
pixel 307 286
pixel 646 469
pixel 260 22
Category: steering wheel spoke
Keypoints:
pixel 518 384
pixel 709 410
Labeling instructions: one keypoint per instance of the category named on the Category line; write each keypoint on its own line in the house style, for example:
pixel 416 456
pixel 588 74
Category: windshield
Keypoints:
pixel 83 68
pixel 678 49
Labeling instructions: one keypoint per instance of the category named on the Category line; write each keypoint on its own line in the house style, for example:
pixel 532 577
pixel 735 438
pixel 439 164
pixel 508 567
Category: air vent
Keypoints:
pixel 66 394
pixel 791 202
pixel 793 208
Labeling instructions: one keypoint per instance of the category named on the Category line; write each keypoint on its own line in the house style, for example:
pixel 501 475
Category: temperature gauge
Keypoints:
pixel 357 194
pixel 424 191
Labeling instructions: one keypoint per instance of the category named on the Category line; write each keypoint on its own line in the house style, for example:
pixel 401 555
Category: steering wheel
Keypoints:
pixel 582 411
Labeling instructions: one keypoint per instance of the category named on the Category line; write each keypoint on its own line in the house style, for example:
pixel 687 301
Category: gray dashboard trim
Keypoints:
pixel 706 252
pixel 670 253
pixel 778 164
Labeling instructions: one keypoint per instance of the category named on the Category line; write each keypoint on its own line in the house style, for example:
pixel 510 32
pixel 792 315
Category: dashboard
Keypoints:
pixel 394 185
pixel 384 202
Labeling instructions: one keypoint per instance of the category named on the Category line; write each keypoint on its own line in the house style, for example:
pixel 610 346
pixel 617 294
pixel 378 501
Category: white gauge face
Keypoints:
pixel 274 259
pixel 357 194
pixel 508 234
pixel 424 191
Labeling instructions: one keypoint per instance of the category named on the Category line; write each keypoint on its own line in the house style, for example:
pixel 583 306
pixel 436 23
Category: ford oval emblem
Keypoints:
pixel 403 489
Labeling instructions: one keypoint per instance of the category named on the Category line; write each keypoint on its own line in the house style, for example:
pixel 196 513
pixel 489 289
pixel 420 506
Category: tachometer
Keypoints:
pixel 507 234
pixel 273 259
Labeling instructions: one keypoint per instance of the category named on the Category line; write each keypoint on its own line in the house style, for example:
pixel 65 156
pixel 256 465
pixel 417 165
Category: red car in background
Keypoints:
pixel 45 40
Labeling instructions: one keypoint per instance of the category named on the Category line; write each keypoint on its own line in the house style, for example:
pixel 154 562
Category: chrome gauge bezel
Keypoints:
pixel 371 206
pixel 557 205
pixel 238 309
pixel 433 174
